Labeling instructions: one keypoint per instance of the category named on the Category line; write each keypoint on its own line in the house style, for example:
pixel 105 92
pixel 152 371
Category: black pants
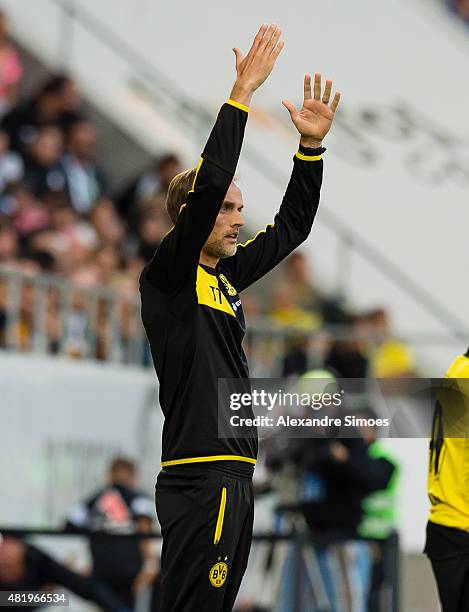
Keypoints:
pixel 452 578
pixel 206 520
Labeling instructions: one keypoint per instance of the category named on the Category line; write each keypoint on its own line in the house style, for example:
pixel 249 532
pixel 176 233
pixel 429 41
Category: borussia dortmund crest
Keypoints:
pixel 218 574
pixel 229 287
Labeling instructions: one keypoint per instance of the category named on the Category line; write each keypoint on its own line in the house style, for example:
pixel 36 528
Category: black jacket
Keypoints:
pixel 192 313
pixel 337 511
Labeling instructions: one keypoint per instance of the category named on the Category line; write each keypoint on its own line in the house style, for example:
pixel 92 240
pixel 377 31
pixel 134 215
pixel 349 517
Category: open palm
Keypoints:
pixel 314 119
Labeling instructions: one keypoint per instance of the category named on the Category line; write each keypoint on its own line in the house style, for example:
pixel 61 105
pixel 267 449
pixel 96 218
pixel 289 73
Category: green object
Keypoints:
pixel 380 508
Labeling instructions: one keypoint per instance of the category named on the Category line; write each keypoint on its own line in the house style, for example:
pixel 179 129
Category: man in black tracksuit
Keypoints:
pixel 194 322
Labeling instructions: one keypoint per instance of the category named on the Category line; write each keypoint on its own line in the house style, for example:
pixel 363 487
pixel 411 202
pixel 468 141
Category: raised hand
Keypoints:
pixel 315 118
pixel 254 68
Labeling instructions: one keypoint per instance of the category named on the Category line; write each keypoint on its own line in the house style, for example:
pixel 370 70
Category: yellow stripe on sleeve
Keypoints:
pixel 262 231
pixel 308 157
pixel 196 174
pixel 242 107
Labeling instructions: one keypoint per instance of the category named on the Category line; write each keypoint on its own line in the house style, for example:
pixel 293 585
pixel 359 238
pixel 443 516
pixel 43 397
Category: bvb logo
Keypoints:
pixel 229 287
pixel 218 574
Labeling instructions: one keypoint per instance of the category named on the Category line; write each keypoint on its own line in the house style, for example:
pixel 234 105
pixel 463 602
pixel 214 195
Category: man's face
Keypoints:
pixel 83 141
pixel 69 96
pixel 123 476
pixel 168 171
pixel 223 240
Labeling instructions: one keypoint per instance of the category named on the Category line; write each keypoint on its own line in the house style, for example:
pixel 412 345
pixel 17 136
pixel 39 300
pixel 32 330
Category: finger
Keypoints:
pixel 327 92
pixel 274 39
pixel 267 36
pixel 317 86
pixel 307 87
pixel 258 38
pixel 290 107
pixel 335 101
pixel 239 56
pixel 276 52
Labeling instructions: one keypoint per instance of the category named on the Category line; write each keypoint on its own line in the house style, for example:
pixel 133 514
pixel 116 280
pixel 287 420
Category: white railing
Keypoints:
pixel 48 314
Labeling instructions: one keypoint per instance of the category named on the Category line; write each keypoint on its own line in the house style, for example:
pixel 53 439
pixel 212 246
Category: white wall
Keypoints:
pixel 61 422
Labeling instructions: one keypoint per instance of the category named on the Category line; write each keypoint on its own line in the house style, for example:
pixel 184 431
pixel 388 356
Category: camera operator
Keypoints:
pixel 333 479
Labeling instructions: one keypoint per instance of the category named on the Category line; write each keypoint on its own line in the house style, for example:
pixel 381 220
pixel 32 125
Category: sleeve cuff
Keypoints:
pixel 242 107
pixel 309 154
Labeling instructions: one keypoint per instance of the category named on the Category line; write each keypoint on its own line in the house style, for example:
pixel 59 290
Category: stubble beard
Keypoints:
pixel 219 250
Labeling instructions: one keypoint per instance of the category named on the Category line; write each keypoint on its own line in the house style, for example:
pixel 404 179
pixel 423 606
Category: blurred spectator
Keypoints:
pixel 298 281
pixel 25 325
pixel 26 568
pixel 53 325
pixel 8 244
pixel 43 171
pixel 108 265
pixel 379 523
pixel 10 68
pixel 287 310
pixel 73 239
pixel 134 269
pixel 85 180
pixel 29 215
pixel 337 477
pixel 43 248
pixel 461 8
pixel 78 318
pixel 294 301
pixel 127 565
pixel 168 166
pixel 156 207
pixel 151 233
pixel 297 295
pixel 390 358
pixel 295 361
pixel 107 223
pixel 152 182
pixel 295 304
pixel 348 355
pixel 57 102
pixel 11 164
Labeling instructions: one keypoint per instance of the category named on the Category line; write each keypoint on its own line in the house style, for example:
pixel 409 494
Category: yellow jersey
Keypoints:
pixel 448 474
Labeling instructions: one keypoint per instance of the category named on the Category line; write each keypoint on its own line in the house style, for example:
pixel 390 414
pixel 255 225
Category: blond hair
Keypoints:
pixel 177 192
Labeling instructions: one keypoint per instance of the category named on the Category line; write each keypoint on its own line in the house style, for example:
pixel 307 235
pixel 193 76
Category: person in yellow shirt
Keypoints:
pixel 389 357
pixel 447 544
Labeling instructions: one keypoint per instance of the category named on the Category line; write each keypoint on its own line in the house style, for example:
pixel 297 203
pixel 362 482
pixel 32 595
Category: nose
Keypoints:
pixel 238 219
